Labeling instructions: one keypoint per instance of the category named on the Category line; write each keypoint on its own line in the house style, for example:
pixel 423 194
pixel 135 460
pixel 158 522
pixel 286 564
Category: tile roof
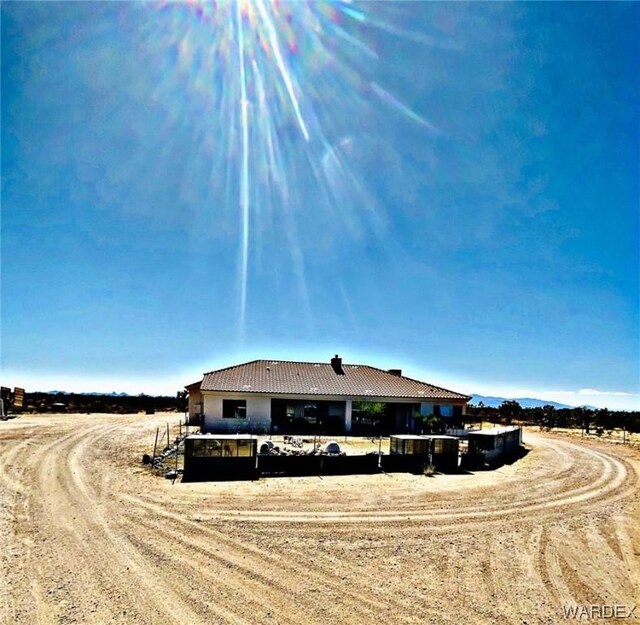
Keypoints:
pixel 309 378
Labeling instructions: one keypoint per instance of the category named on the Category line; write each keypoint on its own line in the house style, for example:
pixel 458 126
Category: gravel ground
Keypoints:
pixel 89 535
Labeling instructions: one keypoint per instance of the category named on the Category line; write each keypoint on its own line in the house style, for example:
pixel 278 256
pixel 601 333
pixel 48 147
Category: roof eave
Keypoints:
pixel 358 397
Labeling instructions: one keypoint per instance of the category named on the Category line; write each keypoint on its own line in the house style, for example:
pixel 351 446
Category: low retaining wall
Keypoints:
pixel 401 463
pixel 317 465
pixel 222 468
pixel 212 469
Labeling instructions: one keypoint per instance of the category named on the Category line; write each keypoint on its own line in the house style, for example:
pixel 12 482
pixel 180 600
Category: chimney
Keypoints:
pixel 397 372
pixel 336 364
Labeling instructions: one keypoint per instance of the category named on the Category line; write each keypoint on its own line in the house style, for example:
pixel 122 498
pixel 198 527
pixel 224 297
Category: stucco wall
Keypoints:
pixel 258 414
pixel 195 403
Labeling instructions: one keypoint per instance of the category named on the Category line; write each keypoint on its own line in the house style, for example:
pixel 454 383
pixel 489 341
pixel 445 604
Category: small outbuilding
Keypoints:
pixel 220 457
pixel 494 445
pixel 444 452
pixel 438 450
pixel 408 444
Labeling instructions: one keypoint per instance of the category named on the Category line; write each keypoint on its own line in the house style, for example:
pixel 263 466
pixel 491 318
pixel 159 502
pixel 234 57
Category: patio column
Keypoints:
pixel 347 415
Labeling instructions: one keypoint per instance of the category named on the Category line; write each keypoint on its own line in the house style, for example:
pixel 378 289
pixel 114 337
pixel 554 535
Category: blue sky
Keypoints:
pixel 447 188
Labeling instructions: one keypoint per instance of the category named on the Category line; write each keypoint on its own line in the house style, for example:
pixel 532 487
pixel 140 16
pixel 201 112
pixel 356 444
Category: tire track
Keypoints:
pixel 251 562
pixel 116 551
pixel 95 539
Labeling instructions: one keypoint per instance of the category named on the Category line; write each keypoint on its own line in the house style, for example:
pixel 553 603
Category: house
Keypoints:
pixel 330 397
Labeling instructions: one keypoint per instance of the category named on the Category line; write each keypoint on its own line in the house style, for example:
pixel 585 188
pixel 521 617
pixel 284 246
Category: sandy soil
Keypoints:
pixel 89 535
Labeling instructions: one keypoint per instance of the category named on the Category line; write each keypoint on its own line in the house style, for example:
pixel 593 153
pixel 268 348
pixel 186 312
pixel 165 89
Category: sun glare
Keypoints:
pixel 287 83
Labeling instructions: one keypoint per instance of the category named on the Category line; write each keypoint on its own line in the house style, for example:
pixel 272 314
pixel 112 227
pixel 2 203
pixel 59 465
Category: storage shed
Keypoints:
pixel 408 444
pixel 219 457
pixel 444 451
pixel 495 445
pixel 418 450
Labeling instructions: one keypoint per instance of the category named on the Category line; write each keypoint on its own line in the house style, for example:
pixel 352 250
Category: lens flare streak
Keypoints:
pixel 393 102
pixel 263 22
pixel 284 72
pixel 289 91
pixel 244 174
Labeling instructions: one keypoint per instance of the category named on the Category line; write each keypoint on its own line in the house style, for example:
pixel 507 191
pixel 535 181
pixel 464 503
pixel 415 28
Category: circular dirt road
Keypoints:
pixel 90 536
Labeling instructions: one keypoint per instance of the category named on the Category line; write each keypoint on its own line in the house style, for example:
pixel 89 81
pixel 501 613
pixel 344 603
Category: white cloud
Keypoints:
pixel 593 391
pixel 614 400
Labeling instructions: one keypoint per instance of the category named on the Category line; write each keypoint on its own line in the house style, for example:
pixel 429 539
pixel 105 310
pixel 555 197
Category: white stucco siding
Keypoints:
pixel 195 403
pixel 347 415
pixel 212 408
pixel 258 414
pixel 259 410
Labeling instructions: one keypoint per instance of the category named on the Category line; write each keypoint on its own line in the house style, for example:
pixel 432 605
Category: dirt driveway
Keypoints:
pixel 90 536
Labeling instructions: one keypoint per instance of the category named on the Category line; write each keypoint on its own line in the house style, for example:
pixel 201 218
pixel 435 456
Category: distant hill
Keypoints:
pixel 114 394
pixel 525 402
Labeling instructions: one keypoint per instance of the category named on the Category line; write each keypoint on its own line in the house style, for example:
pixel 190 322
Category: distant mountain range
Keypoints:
pixel 114 394
pixel 525 402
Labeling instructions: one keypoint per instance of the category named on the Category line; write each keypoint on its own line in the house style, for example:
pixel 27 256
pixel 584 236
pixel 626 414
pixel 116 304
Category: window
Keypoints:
pixel 311 412
pixel 205 448
pixel 230 449
pixel 234 408
pixel 444 446
pixel 213 448
pixel 421 447
pixel 199 448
